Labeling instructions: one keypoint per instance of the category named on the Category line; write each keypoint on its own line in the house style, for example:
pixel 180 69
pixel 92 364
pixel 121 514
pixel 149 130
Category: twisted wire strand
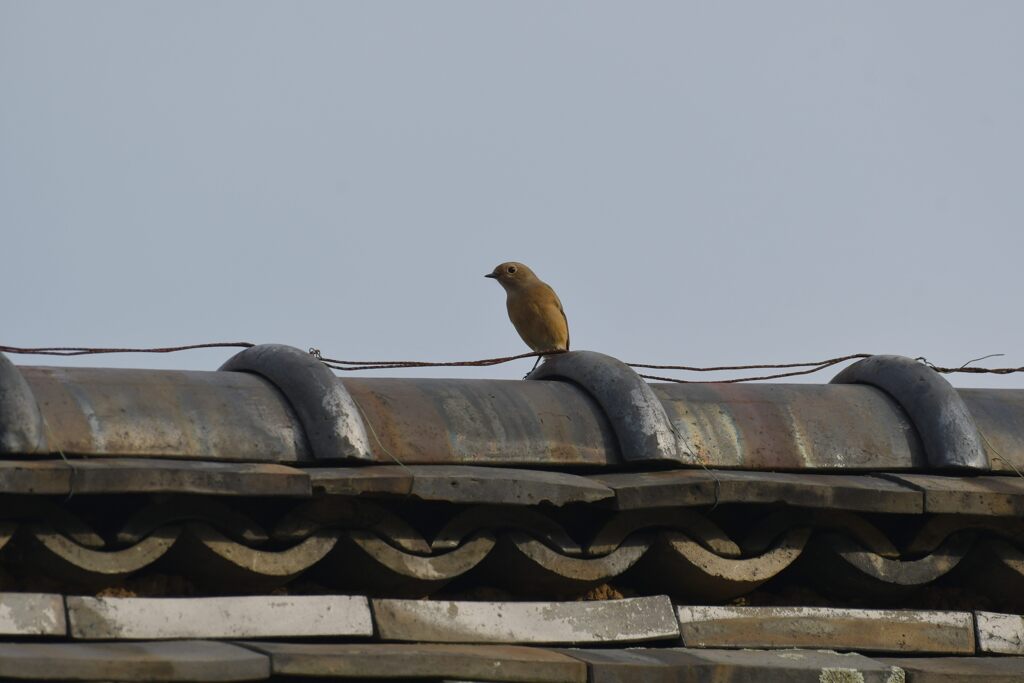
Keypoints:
pixel 351 365
pixel 88 350
pixel 716 368
pixel 734 380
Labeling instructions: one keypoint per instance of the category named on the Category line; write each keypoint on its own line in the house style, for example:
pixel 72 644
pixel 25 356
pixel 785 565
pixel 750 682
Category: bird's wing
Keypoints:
pixel 566 320
pixel 558 303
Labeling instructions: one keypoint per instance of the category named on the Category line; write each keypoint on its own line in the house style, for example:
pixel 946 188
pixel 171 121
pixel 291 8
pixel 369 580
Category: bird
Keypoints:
pixel 533 308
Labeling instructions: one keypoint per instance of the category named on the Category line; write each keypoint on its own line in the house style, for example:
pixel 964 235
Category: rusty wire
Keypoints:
pixel 660 378
pixel 87 350
pixel 689 368
pixel 978 371
pixel 972 370
pixel 809 368
pixel 353 365
pixel 805 368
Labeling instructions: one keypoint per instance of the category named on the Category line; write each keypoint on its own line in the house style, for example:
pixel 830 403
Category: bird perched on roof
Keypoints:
pixel 533 308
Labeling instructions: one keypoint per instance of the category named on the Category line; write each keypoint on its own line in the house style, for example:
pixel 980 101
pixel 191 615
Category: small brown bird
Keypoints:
pixel 533 307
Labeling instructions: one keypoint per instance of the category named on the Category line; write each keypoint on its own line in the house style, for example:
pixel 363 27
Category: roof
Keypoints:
pixel 502 530
pixel 274 403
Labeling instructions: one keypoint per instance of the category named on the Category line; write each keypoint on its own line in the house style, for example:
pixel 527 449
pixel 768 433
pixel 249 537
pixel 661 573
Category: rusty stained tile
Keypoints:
pixel 783 426
pixel 165 413
pixel 499 422
pixel 999 416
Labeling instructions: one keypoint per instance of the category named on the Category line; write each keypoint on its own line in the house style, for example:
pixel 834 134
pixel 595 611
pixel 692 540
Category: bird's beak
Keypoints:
pixel 491 275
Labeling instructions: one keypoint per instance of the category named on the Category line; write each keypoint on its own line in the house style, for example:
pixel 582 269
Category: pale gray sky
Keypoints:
pixel 701 182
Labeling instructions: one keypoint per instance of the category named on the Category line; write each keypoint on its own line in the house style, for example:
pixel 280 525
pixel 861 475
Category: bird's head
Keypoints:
pixel 512 274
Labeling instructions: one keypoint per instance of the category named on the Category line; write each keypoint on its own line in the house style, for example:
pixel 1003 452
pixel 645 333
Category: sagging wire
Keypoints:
pixel 804 368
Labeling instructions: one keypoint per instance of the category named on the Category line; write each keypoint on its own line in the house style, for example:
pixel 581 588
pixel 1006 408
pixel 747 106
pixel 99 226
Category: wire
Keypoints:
pixel 822 366
pixel 826 363
pixel 86 350
pixel 352 365
pixel 805 368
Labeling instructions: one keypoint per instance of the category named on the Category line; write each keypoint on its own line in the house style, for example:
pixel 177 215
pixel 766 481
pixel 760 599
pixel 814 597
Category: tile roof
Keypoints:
pixel 469 519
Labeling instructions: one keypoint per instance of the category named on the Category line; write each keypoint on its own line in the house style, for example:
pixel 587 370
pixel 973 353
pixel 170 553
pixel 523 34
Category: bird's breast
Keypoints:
pixel 538 318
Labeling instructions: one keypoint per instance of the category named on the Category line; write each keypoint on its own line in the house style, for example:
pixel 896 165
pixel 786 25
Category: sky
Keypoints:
pixel 702 183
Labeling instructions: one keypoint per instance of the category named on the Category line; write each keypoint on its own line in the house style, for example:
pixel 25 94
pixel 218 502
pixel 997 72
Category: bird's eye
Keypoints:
pixel 511 269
